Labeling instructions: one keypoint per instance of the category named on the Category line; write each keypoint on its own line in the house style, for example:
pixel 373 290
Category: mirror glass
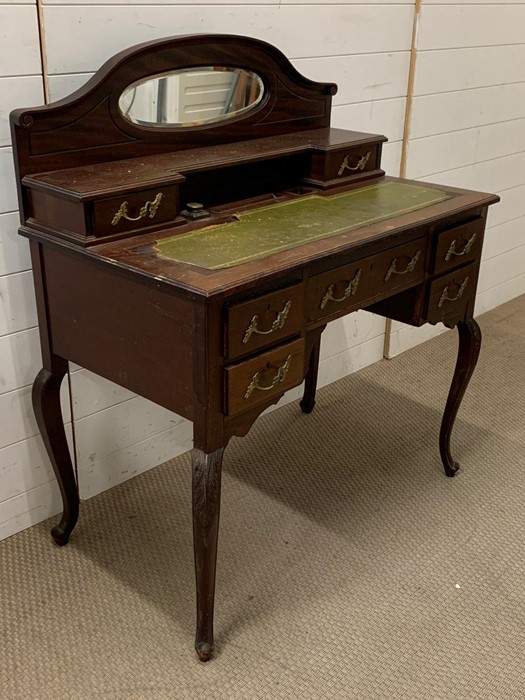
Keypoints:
pixel 191 97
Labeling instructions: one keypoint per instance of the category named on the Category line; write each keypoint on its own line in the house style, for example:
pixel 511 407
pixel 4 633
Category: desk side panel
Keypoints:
pixel 125 330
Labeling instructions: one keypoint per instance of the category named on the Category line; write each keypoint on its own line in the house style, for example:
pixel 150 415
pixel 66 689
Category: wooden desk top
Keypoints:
pixel 137 255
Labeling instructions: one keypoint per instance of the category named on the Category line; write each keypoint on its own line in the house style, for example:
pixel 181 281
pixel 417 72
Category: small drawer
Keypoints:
pixel 339 290
pixel 136 210
pixel 402 266
pixel 459 245
pixel 339 165
pixel 348 286
pixel 450 294
pixel 264 377
pixel 268 319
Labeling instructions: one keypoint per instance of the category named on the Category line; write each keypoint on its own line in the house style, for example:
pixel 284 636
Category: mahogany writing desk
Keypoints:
pixel 195 223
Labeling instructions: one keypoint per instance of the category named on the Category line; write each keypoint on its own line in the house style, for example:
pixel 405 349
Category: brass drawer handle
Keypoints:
pixel 444 296
pixel 280 376
pixel 466 249
pixel 350 290
pixel 276 325
pixel 361 163
pixel 392 270
pixel 147 209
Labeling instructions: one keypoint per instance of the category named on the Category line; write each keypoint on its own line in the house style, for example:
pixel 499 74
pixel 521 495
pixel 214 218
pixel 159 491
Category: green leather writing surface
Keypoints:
pixel 276 227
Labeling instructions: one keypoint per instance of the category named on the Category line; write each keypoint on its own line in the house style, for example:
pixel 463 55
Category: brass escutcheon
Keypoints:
pixel 350 290
pixel 361 163
pixel 392 270
pixel 466 249
pixel 444 296
pixel 280 376
pixel 276 325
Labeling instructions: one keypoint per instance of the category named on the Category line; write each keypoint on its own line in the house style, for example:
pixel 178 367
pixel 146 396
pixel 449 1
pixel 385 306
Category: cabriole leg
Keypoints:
pixel 206 496
pixel 46 404
pixel 468 353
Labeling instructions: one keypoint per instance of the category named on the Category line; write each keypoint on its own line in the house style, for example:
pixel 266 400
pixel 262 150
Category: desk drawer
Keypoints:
pixel 338 290
pixel 352 161
pixel 459 245
pixel 345 163
pixel 348 286
pixel 260 322
pixel 400 267
pixel 450 294
pixel 136 210
pixel 268 375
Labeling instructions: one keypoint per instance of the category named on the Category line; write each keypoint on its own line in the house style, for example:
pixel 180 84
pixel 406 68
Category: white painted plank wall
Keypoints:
pixel 467 128
pixel 28 492
pixel 364 47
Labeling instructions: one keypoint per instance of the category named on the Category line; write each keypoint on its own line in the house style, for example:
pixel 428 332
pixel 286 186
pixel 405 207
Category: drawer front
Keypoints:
pixel 261 322
pixel 350 285
pixel 459 245
pixel 450 294
pixel 136 210
pixel 264 377
pixel 352 161
pixel 402 266
pixel 344 163
pixel 339 290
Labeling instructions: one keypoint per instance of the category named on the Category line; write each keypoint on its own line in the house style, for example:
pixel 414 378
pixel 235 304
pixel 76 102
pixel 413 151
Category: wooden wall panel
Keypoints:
pixel 19 43
pixel 19 359
pixel 80 38
pixel 18 309
pixel 18 91
pixel 457 149
pixel 465 109
pixel 465 25
pixel 14 252
pixel 465 69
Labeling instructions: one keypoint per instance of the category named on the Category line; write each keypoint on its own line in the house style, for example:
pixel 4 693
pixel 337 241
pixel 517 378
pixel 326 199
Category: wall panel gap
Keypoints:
pixel 410 88
pixel 43 54
pixel 406 134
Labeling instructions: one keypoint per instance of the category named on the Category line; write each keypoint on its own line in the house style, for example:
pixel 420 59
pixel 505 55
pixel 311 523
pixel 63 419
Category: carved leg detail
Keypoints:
pixel 307 403
pixel 468 353
pixel 206 492
pixel 46 404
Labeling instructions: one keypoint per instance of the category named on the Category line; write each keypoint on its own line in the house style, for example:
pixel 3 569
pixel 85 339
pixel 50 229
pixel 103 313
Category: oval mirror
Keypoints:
pixel 191 97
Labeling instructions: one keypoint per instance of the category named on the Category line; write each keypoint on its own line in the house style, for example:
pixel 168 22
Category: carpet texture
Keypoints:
pixel 350 567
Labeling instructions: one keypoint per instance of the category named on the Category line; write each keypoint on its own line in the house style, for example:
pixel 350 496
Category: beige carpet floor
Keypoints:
pixel 349 566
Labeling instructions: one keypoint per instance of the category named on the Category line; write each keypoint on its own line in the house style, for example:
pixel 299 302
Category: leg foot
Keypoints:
pixel 204 651
pixel 46 404
pixel 468 353
pixel 307 403
pixel 206 495
pixel 61 534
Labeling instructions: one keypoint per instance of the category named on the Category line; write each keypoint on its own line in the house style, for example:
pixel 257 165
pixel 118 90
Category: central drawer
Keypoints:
pixel 349 286
pixel 264 377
